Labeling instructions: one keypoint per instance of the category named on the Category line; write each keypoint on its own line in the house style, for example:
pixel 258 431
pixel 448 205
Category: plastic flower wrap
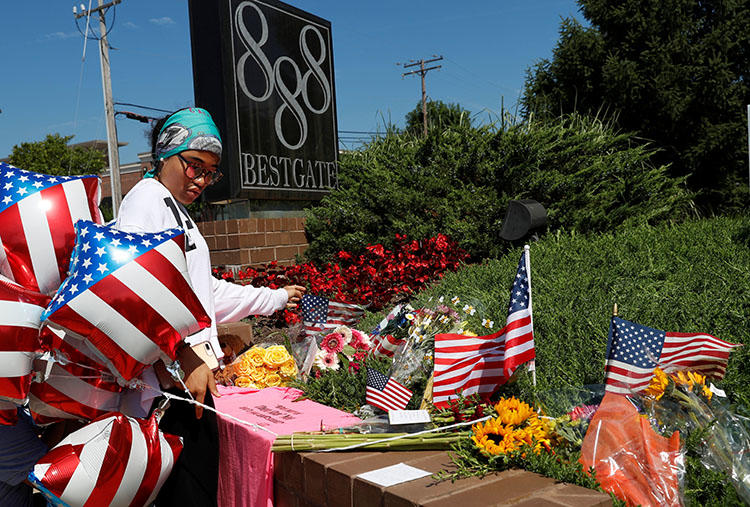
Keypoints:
pixel 682 400
pixel 440 316
pixel 260 367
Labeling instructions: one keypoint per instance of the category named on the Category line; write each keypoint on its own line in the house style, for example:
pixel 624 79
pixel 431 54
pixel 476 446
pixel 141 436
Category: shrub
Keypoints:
pixel 458 181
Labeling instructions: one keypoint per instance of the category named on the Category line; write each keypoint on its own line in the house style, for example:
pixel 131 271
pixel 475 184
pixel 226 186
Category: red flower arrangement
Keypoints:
pixel 378 277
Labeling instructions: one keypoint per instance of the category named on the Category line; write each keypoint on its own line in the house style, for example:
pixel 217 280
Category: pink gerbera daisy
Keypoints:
pixel 330 361
pixel 333 343
pixel 360 341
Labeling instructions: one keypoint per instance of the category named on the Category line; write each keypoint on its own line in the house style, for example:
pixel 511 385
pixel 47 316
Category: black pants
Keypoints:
pixel 194 480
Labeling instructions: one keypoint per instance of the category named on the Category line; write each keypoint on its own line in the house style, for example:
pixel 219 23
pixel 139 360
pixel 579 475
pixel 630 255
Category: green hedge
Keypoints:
pixel 692 277
pixel 458 181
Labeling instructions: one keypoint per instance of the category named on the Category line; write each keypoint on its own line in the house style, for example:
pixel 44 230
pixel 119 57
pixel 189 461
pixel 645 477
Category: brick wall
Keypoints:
pixel 330 480
pixel 253 241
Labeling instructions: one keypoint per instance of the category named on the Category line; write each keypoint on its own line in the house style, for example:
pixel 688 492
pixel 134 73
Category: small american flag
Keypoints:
pixel 384 392
pixel 129 296
pixel 320 315
pixel 634 351
pixel 478 364
pixel 37 213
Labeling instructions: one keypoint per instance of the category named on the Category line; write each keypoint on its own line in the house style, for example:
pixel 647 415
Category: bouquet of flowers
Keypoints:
pixel 683 401
pixel 343 346
pixel 260 367
pixel 418 335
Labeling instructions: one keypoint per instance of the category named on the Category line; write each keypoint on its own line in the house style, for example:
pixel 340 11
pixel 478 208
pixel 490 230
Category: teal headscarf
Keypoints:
pixel 187 129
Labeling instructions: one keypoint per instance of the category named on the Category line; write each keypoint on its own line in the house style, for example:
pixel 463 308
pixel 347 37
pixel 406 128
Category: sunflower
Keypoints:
pixel 694 381
pixel 516 425
pixel 658 385
pixel 661 383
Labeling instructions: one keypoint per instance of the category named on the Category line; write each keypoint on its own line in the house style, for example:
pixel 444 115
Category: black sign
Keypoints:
pixel 264 69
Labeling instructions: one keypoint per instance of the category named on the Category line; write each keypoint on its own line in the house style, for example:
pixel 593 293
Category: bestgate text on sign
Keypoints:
pixel 261 171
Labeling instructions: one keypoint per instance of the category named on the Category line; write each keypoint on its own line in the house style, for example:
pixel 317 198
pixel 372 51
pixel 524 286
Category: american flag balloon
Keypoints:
pixel 76 386
pixel 115 460
pixel 20 314
pixel 8 413
pixel 128 296
pixel 37 213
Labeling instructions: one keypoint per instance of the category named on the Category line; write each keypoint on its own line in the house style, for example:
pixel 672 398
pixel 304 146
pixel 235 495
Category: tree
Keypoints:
pixel 439 115
pixel 54 156
pixel 675 71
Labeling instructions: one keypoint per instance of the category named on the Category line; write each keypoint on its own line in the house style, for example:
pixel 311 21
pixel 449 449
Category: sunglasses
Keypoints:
pixel 194 171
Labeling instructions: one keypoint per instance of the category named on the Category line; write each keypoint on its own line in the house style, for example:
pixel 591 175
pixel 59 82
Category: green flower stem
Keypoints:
pixel 317 442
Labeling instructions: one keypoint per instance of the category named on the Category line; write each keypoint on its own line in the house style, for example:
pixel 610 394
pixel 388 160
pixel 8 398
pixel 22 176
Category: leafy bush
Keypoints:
pixel 458 182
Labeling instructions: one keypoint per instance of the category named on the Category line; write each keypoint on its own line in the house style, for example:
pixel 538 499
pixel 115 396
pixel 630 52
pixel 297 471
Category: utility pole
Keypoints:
pixel 422 72
pixel 109 108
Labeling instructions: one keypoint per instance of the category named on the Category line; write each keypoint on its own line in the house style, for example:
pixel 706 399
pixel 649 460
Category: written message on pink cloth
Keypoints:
pixel 246 462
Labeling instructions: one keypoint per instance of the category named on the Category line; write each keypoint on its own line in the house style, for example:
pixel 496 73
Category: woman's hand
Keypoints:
pixel 198 377
pixel 295 293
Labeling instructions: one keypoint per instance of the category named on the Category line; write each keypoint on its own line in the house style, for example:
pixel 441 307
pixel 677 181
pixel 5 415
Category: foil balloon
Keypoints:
pixel 20 314
pixel 8 413
pixel 75 385
pixel 128 297
pixel 37 213
pixel 115 460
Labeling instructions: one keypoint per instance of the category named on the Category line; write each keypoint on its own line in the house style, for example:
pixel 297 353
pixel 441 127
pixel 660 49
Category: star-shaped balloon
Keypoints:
pixel 75 385
pixel 20 318
pixel 37 213
pixel 128 296
pixel 115 460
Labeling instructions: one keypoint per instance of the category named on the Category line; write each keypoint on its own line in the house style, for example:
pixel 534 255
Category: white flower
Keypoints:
pixel 345 332
pixel 325 361
pixel 441 299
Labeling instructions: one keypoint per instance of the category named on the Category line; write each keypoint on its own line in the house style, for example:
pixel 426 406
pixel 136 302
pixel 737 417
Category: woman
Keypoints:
pixel 186 148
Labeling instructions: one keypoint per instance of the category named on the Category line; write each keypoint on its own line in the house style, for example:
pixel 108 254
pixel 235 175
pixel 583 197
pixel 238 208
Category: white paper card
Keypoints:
pixel 394 474
pixel 714 389
pixel 408 416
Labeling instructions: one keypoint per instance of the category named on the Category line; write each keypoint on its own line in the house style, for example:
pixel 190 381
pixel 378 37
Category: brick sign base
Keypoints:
pixel 329 479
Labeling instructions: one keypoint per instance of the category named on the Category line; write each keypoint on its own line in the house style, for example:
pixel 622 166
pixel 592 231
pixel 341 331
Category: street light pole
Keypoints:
pixel 109 108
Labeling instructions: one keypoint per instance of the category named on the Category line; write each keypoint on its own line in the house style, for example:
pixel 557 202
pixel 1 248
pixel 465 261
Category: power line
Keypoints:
pixel 142 107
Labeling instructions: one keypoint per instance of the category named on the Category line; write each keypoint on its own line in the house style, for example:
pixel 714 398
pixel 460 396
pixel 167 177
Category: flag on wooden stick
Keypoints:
pixel 478 364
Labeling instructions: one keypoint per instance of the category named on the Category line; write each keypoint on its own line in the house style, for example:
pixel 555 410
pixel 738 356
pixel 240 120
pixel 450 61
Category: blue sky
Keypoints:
pixel 487 47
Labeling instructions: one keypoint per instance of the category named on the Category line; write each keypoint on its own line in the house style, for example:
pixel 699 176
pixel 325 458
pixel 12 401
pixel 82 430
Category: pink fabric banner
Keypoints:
pixel 246 461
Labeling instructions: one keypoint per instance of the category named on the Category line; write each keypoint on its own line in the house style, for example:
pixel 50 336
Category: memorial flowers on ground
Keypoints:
pixel 260 367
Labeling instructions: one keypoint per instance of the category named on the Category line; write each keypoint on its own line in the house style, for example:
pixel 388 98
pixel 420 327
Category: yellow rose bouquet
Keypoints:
pixel 260 367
